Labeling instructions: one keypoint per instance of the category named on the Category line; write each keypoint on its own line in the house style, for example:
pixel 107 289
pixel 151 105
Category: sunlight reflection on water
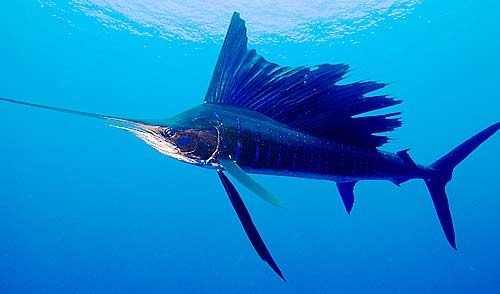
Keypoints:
pixel 267 20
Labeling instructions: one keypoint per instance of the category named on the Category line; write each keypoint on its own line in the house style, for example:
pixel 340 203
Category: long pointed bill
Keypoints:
pixel 139 128
pixel 146 130
pixel 71 111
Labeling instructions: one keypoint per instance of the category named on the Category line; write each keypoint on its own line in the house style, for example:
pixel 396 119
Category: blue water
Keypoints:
pixel 90 209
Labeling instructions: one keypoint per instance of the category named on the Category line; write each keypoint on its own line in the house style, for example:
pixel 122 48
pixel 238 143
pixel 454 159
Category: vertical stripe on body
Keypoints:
pixel 237 152
pixel 257 148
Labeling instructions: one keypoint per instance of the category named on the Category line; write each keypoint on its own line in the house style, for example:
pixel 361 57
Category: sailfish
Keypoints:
pixel 258 117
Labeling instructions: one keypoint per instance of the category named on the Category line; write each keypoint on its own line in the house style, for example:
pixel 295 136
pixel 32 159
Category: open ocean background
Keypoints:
pixel 85 208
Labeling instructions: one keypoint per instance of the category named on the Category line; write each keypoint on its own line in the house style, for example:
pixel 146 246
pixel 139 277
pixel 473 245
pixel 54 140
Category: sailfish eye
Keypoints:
pixel 168 132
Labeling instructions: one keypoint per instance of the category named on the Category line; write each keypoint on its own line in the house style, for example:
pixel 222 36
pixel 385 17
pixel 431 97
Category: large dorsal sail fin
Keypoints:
pixel 306 98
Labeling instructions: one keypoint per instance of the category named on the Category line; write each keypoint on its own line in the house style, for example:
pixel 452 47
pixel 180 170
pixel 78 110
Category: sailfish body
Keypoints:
pixel 260 117
pixel 261 145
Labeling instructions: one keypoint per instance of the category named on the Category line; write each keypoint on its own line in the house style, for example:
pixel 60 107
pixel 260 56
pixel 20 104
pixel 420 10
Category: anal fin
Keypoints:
pixel 346 190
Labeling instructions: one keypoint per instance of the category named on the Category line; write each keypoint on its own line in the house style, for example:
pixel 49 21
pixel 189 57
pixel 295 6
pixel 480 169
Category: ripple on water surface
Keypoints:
pixel 268 20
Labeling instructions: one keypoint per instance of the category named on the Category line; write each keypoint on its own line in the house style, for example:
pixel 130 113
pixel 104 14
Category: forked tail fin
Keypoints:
pixel 441 173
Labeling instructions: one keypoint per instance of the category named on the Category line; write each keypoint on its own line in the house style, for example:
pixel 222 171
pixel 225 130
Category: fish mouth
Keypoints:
pixel 151 135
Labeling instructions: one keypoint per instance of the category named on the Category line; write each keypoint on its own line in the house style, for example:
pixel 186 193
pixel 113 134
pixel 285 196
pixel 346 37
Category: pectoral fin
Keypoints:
pixel 234 170
pixel 248 226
